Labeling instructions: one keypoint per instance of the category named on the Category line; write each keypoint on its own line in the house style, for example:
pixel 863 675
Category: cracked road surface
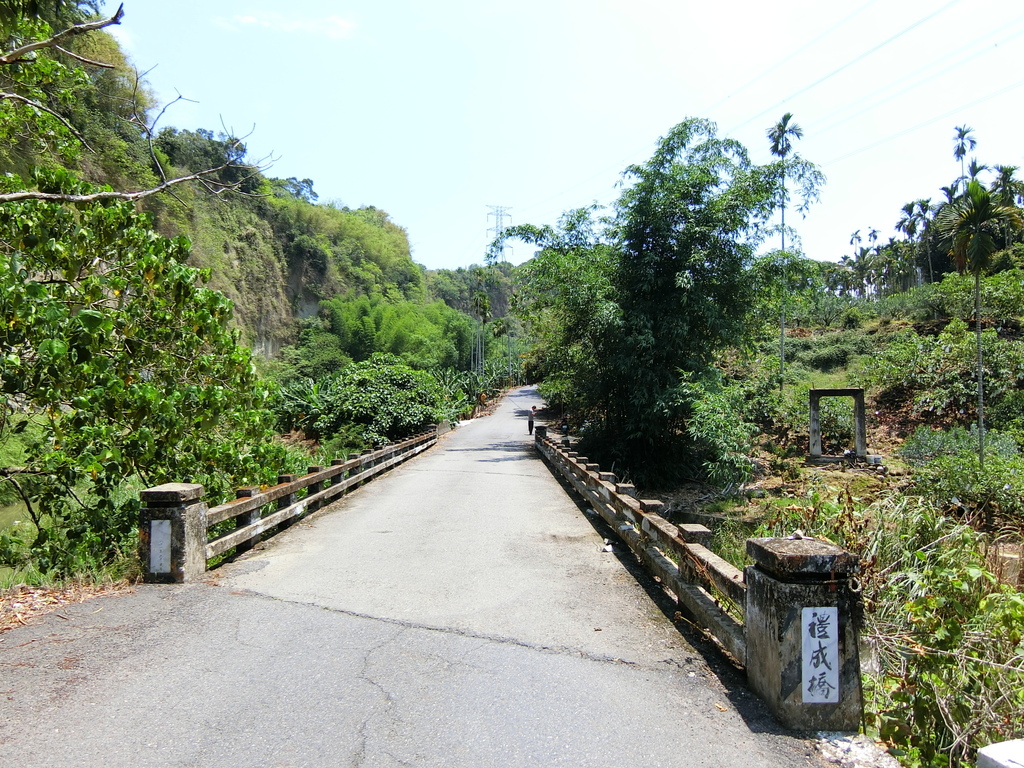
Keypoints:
pixel 459 611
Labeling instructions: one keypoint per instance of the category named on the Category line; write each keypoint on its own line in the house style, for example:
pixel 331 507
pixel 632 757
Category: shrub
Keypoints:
pixel 716 425
pixel 927 444
pixel 384 397
pixel 936 376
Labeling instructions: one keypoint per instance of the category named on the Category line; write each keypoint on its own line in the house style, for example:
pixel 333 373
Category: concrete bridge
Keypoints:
pixel 461 610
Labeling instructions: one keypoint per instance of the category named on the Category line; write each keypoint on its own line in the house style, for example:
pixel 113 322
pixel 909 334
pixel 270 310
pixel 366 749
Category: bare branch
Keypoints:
pixel 214 186
pixel 9 477
pixel 84 60
pixel 47 110
pixel 53 42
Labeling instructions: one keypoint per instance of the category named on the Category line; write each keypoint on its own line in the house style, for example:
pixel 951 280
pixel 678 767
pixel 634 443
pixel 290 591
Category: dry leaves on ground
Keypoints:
pixel 20 605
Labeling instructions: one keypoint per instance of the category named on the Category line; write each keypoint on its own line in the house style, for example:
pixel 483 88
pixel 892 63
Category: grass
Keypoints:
pixel 12 513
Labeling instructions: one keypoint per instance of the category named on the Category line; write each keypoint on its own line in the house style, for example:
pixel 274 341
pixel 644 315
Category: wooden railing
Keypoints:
pixel 677 554
pixel 324 484
pixel 173 529
pixel 790 618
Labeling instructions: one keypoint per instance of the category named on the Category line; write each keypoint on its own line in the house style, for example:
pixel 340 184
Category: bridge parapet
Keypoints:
pixel 790 619
pixel 175 524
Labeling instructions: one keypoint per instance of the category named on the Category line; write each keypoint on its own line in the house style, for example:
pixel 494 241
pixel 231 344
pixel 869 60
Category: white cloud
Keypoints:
pixel 333 27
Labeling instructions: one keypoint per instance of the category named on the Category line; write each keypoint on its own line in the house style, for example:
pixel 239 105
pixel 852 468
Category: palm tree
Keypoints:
pixel 963 143
pixel 1008 191
pixel 781 136
pixel 924 207
pixel 970 225
pixel 908 224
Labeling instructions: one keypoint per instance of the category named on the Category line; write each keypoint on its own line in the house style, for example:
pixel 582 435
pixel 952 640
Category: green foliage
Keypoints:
pixel 827 352
pixel 354 327
pixel 385 398
pixel 920 303
pixel 948 639
pixel 723 439
pixel 626 312
pixel 458 390
pixel 28 133
pixel 951 477
pixel 565 299
pixel 113 347
pixel 458 288
pixel 934 376
pixel 927 444
pixel 943 671
pixel 1002 295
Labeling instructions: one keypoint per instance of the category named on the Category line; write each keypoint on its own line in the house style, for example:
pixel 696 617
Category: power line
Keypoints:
pixel 843 116
pixel 791 56
pixel 847 65
pixel 926 123
pixel 857 59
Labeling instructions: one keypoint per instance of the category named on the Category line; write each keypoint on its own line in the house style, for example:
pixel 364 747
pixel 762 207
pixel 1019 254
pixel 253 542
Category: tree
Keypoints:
pixel 685 233
pixel 117 366
pixel 963 142
pixel 36 81
pixel 781 136
pixel 969 225
pixel 1008 190
pixel 910 223
pixel 565 297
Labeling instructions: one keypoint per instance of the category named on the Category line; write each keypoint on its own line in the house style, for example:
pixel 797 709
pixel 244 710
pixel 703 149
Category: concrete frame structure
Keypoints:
pixel 860 433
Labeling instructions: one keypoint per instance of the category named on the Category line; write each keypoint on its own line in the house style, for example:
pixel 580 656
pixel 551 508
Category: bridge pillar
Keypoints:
pixel 172 533
pixel 801 625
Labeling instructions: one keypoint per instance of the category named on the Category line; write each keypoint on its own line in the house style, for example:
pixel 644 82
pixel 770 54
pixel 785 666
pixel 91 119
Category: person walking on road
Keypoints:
pixel 529 419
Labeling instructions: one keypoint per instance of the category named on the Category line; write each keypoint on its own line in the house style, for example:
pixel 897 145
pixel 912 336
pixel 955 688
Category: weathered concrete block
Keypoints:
pixel 1005 754
pixel 802 634
pixel 695 534
pixel 172 533
pixel 804 558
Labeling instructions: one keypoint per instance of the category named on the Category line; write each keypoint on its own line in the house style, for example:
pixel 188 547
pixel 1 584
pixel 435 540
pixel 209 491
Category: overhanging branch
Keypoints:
pixel 52 42
pixel 47 110
pixel 204 177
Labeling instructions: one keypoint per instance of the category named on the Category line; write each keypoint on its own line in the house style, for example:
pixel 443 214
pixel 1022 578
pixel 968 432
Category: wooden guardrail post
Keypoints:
pixel 288 499
pixel 314 489
pixel 248 518
pixel 801 626
pixel 172 533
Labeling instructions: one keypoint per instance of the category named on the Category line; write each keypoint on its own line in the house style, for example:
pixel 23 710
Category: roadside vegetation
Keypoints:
pixel 656 327
pixel 170 311
pixel 241 328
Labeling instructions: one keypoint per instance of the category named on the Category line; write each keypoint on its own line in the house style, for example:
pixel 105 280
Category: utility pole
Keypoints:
pixel 500 213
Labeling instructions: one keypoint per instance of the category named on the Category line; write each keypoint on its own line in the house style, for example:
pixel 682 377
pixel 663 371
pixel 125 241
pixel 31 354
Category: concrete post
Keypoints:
pixel 247 518
pixel 287 500
pixel 801 625
pixel 541 431
pixel 1005 754
pixel 314 488
pixel 172 533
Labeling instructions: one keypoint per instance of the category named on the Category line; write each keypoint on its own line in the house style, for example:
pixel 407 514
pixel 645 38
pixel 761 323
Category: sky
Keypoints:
pixel 435 111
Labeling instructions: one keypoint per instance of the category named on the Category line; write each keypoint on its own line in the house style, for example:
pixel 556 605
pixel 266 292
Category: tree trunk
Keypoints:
pixel 785 293
pixel 981 384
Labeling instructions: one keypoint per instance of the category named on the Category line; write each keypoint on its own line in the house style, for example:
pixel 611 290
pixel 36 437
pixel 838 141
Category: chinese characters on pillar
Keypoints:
pixel 820 655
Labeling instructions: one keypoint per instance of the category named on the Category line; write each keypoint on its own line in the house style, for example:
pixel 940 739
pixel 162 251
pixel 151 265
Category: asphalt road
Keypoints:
pixel 462 610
